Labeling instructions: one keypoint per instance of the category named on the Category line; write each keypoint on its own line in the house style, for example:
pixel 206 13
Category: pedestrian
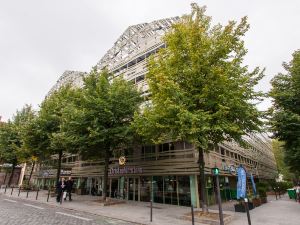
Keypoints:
pixel 60 188
pixel 298 192
pixel 69 187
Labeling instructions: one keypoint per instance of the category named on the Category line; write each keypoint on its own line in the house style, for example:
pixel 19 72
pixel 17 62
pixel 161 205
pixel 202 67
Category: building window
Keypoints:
pixel 148 152
pixel 140 78
pixel 222 151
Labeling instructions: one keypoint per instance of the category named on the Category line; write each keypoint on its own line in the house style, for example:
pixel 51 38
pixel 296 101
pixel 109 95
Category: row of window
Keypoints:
pixel 137 60
pixel 234 155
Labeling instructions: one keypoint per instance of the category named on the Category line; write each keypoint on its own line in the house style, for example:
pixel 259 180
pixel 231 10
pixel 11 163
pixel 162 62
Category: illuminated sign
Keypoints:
pixel 125 170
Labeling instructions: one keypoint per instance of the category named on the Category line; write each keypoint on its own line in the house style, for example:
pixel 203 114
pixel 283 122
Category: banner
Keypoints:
pixel 253 185
pixel 241 184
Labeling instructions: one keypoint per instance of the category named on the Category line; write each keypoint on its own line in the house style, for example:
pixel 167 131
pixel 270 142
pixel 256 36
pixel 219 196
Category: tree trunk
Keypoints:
pixel 5 177
pixel 105 180
pixel 32 168
pixel 202 180
pixel 12 174
pixel 59 166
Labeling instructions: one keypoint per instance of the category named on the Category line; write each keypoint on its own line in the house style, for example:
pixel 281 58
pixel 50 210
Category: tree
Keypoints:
pixel 11 147
pixel 33 140
pixel 48 136
pixel 200 90
pixel 99 121
pixel 285 112
pixel 278 150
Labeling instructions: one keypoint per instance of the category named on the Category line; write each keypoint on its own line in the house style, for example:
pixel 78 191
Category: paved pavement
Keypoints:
pixel 276 212
pixel 280 212
pixel 16 211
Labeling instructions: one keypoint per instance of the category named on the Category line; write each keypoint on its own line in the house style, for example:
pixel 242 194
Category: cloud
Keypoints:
pixel 41 39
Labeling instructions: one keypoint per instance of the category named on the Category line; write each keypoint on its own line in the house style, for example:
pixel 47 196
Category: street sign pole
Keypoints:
pixel 247 211
pixel 219 201
pixel 215 172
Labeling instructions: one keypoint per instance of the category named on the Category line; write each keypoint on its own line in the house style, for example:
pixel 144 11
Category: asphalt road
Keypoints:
pixel 15 211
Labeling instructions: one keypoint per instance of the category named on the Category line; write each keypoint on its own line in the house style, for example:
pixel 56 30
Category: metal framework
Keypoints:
pixel 134 41
pixel 74 78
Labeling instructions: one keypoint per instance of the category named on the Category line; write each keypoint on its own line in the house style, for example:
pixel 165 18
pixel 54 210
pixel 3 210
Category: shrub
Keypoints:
pixel 262 189
pixel 262 192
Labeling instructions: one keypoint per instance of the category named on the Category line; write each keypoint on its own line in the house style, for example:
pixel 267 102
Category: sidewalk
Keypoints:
pixel 283 211
pixel 137 212
pixel 276 212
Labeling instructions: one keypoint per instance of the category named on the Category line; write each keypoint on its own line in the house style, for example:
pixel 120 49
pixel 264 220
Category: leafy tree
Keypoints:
pixel 11 148
pixel 98 122
pixel 33 140
pixel 200 90
pixel 285 112
pixel 278 150
pixel 47 136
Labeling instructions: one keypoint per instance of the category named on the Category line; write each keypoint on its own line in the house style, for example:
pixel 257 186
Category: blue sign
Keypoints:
pixel 241 184
pixel 253 185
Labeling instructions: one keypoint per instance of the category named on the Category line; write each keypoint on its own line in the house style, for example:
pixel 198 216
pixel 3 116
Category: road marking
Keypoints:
pixel 34 206
pixel 78 217
pixel 8 200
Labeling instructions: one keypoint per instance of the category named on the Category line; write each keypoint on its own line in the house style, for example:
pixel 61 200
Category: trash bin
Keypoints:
pixel 292 193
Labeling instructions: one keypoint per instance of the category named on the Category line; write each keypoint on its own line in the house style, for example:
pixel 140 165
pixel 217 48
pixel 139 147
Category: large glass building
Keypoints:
pixel 167 173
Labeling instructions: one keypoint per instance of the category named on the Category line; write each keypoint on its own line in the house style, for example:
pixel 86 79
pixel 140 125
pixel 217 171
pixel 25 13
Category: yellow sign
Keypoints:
pixel 122 160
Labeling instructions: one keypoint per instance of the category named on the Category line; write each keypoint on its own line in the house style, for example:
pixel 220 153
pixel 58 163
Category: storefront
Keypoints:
pixel 167 173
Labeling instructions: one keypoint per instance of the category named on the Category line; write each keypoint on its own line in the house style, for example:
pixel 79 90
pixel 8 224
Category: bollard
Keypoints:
pixel 5 189
pixel 19 191
pixel 27 193
pixel 12 190
pixel 193 217
pixel 48 194
pixel 37 194
pixel 151 211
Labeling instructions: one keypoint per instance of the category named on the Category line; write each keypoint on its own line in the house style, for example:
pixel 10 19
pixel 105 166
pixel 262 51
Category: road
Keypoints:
pixel 14 211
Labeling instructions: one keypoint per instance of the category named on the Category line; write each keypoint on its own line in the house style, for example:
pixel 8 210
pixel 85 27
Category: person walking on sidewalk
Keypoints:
pixel 69 187
pixel 298 192
pixel 60 188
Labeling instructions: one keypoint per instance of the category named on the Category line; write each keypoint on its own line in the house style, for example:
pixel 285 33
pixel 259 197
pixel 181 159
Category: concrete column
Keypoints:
pixel 122 183
pixel 22 173
pixel 78 183
pixel 194 191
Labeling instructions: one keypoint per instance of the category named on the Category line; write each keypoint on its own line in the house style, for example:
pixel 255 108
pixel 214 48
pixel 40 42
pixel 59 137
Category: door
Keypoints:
pixel 114 188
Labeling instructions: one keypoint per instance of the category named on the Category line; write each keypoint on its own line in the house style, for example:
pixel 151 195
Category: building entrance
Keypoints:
pixel 114 188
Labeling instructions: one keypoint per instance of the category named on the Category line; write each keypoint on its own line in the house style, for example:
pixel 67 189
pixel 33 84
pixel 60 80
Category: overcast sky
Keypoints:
pixel 40 39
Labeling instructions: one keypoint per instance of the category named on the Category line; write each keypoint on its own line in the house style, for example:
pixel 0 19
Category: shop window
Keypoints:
pixel 184 191
pixel 170 185
pixel 145 189
pixel 158 189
